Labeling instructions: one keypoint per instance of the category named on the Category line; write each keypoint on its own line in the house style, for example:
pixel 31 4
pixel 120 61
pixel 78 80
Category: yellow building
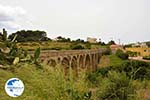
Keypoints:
pixel 142 51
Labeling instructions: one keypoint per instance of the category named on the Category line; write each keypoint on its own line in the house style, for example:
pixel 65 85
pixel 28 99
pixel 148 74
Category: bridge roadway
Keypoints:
pixel 86 59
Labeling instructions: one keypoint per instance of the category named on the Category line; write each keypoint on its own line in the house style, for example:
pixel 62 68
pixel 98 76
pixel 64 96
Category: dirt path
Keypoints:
pixel 138 58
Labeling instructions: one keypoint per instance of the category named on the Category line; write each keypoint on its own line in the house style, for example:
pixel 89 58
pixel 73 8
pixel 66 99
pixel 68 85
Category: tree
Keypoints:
pixel 63 39
pixel 79 40
pixel 111 42
pixel 29 35
pixel 102 43
pixel 4 37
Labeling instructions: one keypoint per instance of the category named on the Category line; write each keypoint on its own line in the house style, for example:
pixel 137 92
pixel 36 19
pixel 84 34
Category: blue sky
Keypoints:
pixel 127 20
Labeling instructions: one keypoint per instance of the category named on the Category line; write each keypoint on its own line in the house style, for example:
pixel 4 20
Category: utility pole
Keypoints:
pixel 119 41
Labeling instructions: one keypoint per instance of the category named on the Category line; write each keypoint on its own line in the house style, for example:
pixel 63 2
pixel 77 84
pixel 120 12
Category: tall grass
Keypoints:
pixel 48 83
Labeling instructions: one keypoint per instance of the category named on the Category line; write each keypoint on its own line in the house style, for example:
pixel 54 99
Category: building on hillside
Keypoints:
pixel 136 44
pixel 143 45
pixel 115 47
pixel 91 40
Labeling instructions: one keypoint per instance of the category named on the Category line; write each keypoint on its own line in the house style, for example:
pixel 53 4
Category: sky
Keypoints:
pixel 127 20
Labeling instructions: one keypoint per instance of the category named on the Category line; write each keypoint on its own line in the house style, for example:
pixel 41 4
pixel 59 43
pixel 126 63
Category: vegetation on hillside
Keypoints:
pixel 31 40
pixel 116 77
pixel 132 54
pixel 29 35
pixel 111 42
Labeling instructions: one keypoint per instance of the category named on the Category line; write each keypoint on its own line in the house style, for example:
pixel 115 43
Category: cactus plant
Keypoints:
pixel 9 53
pixel 36 55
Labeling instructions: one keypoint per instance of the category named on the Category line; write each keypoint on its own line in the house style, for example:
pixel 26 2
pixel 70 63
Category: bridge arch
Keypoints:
pixel 51 62
pixel 88 62
pixel 82 61
pixel 66 64
pixel 74 65
pixel 93 59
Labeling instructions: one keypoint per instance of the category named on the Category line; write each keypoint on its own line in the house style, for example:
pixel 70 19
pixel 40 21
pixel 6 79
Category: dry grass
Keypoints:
pixel 104 61
pixel 43 45
pixel 142 51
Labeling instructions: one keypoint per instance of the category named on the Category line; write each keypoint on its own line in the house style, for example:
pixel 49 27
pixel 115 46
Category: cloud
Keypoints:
pixel 14 18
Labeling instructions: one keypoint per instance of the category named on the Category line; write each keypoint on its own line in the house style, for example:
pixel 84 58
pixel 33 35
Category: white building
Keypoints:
pixel 91 40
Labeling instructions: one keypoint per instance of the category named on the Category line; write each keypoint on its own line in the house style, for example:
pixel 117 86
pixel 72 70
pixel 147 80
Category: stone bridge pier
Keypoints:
pixel 76 59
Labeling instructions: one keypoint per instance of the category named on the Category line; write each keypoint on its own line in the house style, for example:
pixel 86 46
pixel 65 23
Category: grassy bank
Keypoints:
pixel 45 84
pixel 110 60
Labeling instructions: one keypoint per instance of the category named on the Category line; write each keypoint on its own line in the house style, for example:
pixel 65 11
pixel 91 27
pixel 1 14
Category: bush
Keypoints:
pixel 76 47
pixel 111 42
pixel 94 78
pixel 122 55
pixel 103 71
pixel 87 45
pixel 116 86
pixel 135 69
pixel 132 54
pixel 146 57
pixel 107 51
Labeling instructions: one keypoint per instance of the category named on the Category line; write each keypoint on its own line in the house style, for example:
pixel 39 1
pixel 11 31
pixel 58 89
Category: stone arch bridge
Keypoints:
pixel 76 59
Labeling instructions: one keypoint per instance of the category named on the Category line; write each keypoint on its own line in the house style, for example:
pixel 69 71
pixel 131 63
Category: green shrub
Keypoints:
pixel 76 47
pixel 102 71
pixel 121 54
pixel 94 78
pixel 116 86
pixel 135 69
pixel 146 57
pixel 87 45
pixel 132 54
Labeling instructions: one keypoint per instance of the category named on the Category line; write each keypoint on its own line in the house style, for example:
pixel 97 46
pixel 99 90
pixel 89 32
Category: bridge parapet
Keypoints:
pixel 87 59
